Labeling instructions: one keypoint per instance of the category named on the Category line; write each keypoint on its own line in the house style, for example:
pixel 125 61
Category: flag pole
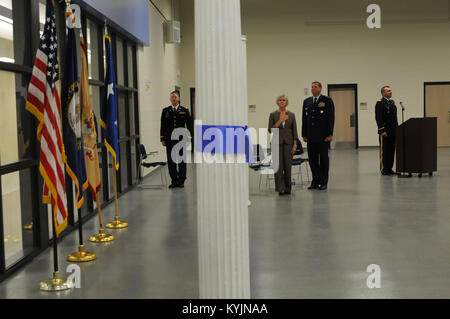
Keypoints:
pixel 117 223
pixel 101 237
pixel 56 283
pixel 81 255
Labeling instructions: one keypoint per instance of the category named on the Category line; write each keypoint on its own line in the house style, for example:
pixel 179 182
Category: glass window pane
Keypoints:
pixel 134 176
pixel 17 215
pixel 95 98
pixel 41 16
pixel 6 32
pixel 123 165
pixel 111 177
pixel 84 210
pixel 122 114
pixel 21 35
pixel 136 114
pixel 100 159
pixel 78 52
pixel 132 119
pixel 119 67
pixel 92 49
pixel 130 65
pixel 16 131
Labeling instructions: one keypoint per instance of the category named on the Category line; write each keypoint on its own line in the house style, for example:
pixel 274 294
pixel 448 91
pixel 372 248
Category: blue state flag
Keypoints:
pixel 71 113
pixel 108 116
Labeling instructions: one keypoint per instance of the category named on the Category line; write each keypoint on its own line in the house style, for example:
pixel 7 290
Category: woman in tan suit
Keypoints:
pixel 285 122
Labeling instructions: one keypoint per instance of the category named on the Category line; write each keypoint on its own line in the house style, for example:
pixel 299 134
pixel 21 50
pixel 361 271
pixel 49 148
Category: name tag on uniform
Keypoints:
pixel 321 104
pixel 181 112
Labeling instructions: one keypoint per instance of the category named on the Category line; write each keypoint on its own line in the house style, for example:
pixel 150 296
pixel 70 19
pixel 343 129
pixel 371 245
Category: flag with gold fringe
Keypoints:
pixel 88 127
pixel 43 101
pixel 109 107
pixel 73 139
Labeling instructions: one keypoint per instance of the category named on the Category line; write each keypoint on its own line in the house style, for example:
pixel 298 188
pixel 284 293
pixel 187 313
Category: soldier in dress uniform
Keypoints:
pixel 172 117
pixel 317 131
pixel 386 117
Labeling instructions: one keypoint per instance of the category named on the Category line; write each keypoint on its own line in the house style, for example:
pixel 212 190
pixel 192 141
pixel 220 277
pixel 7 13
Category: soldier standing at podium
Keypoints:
pixel 386 117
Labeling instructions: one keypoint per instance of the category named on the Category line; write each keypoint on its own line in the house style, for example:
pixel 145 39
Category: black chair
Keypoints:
pixel 259 165
pixel 297 160
pixel 143 156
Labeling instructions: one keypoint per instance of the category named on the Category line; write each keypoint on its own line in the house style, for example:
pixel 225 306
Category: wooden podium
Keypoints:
pixel 417 146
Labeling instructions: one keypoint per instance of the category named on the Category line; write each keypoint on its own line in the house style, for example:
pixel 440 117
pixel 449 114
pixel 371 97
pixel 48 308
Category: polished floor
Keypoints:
pixel 310 245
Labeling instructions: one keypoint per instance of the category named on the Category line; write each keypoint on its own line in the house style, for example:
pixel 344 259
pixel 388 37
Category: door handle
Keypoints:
pixel 352 120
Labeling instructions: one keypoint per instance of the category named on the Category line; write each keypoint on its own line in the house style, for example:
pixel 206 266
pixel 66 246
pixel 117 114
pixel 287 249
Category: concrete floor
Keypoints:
pixel 309 245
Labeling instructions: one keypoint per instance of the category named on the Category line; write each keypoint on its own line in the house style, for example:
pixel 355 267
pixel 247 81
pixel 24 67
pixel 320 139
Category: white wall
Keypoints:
pixel 291 43
pixel 159 65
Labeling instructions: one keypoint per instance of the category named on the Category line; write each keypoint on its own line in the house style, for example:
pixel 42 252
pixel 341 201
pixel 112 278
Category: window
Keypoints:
pixel 17 215
pixel 18 182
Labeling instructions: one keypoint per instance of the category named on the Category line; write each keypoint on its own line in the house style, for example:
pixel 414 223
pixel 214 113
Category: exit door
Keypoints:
pixel 346 118
pixel 437 104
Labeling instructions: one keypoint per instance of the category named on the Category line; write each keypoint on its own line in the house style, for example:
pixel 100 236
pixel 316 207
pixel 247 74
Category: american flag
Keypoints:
pixel 43 100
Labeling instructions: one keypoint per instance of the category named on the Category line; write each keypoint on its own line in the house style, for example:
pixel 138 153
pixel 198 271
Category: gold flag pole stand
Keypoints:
pixel 117 223
pixel 56 283
pixel 101 237
pixel 81 255
pixel 28 226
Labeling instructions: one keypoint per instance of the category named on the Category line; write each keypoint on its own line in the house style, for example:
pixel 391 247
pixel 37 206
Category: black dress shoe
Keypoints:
pixel 287 192
pixel 172 185
pixel 180 185
pixel 313 186
pixel 386 173
pixel 281 193
pixel 322 187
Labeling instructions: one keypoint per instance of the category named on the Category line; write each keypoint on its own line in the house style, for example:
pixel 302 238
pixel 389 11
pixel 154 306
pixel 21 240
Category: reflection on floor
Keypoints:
pixel 309 245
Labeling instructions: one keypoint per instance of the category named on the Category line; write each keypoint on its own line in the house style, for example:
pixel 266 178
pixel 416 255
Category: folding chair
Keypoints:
pixel 297 160
pixel 143 156
pixel 262 163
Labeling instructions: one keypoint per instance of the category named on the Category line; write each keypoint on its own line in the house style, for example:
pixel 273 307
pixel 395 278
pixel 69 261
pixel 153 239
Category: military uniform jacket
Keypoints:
pixel 288 131
pixel 386 116
pixel 171 120
pixel 318 120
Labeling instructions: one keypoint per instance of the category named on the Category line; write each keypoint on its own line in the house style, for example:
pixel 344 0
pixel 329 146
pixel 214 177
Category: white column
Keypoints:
pixel 222 189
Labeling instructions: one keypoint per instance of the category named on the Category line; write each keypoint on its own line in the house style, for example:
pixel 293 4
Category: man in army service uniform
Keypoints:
pixel 317 131
pixel 172 117
pixel 386 117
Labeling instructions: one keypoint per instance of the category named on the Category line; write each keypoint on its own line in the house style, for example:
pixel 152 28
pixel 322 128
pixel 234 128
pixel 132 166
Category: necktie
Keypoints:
pixel 315 101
